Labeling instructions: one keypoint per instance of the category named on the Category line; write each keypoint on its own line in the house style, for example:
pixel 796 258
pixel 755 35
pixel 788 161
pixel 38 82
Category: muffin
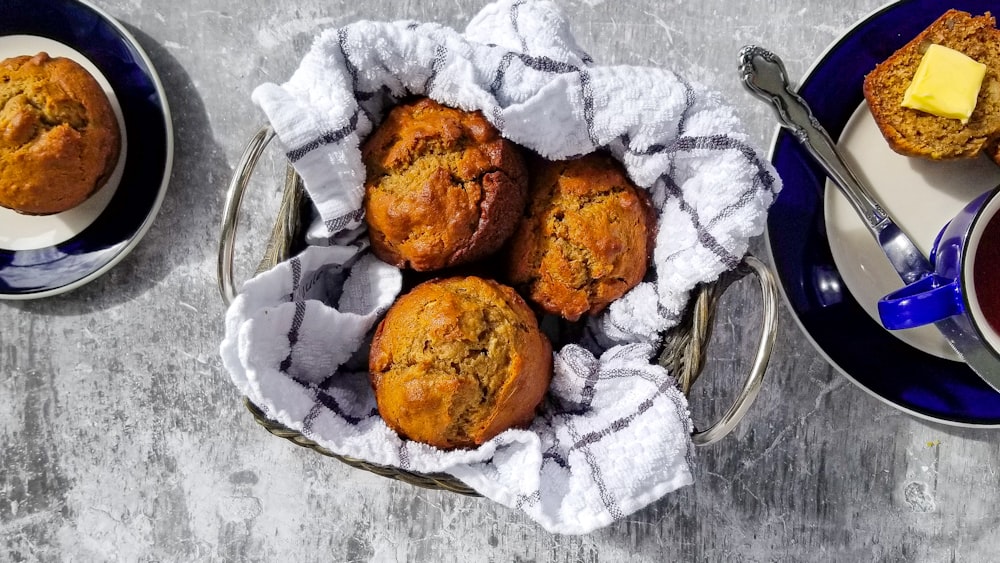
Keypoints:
pixel 59 138
pixel 457 361
pixel 585 239
pixel 913 132
pixel 443 187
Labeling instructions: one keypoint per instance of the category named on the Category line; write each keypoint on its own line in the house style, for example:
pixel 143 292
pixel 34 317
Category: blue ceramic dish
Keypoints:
pixel 40 272
pixel 905 377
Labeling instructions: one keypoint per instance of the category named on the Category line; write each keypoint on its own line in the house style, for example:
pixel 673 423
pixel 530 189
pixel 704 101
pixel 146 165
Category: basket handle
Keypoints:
pixel 765 344
pixel 231 217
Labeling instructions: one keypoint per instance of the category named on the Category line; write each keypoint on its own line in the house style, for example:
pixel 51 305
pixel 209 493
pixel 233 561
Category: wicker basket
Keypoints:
pixel 682 350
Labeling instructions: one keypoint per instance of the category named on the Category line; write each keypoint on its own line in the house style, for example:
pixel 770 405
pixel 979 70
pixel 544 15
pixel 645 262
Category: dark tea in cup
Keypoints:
pixel 986 273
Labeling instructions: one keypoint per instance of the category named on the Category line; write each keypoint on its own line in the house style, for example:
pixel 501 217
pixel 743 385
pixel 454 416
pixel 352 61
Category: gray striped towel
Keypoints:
pixel 613 434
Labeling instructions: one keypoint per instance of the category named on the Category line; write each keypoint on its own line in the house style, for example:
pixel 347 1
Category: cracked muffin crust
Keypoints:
pixel 457 361
pixel 585 239
pixel 59 138
pixel 443 187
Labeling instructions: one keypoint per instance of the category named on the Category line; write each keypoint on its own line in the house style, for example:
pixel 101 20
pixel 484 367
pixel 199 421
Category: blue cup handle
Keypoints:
pixel 924 301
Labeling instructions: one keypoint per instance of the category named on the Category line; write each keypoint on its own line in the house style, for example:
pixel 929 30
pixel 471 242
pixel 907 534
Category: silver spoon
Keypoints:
pixel 764 75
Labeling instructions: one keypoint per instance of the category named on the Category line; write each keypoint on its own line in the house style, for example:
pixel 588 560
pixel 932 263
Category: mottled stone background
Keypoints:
pixel 121 437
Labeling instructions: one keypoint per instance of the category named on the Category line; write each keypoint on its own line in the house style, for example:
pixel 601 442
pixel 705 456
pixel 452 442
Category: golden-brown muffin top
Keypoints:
pixel 585 239
pixel 443 187
pixel 457 361
pixel 59 138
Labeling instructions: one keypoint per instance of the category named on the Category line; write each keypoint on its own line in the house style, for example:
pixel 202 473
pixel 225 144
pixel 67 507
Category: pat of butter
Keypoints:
pixel 946 84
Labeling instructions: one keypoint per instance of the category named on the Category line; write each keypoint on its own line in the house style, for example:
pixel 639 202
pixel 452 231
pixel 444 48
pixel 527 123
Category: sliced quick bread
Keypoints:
pixel 993 150
pixel 916 133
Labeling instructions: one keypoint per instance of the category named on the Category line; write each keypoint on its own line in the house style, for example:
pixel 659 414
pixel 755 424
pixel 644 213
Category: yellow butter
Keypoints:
pixel 946 84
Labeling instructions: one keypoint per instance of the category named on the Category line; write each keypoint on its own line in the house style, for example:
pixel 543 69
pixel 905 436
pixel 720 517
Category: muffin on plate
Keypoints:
pixel 59 138
pixel 913 132
pixel 585 239
pixel 443 187
pixel 457 361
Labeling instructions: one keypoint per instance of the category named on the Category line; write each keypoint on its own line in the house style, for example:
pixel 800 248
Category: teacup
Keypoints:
pixel 966 279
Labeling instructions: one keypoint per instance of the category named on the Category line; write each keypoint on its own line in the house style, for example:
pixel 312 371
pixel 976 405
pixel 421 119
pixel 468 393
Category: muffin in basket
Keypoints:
pixel 585 239
pixel 59 138
pixel 443 187
pixel 456 361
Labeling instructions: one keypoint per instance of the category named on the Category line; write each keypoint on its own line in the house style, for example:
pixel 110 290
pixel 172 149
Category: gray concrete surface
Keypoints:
pixel 122 439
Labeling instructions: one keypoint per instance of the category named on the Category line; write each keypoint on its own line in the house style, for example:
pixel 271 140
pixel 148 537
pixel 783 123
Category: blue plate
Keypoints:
pixel 905 377
pixel 29 271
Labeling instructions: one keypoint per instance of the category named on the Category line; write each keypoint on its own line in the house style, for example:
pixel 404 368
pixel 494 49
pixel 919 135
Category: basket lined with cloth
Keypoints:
pixel 295 341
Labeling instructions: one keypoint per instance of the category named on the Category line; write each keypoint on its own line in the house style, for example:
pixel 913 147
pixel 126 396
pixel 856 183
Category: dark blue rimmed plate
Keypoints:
pixel 43 256
pixel 914 381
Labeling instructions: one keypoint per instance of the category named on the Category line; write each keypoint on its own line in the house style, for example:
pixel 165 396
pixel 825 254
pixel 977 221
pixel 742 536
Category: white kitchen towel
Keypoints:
pixel 613 434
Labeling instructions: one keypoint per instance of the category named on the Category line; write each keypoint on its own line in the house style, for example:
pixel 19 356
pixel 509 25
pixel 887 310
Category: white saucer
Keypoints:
pixel 921 195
